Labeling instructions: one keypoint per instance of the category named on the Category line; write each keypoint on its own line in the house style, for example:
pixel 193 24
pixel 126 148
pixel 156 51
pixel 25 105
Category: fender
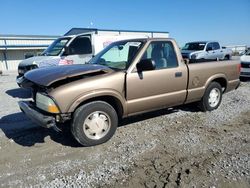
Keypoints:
pixel 196 94
pixel 214 77
pixel 98 93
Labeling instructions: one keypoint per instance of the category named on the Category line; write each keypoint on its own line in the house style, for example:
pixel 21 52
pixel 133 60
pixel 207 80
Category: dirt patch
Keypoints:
pixel 220 159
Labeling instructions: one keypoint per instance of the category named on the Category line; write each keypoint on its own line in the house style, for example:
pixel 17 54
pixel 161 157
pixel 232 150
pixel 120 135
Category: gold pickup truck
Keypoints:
pixel 127 78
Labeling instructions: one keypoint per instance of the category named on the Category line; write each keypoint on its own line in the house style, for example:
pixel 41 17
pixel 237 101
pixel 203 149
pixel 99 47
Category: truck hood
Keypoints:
pixel 187 51
pixel 37 60
pixel 190 51
pixel 50 75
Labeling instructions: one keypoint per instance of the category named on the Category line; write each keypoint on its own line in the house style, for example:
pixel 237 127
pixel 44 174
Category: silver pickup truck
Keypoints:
pixel 205 50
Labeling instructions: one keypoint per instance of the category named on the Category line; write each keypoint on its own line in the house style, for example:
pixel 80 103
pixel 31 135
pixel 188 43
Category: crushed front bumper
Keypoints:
pixel 36 115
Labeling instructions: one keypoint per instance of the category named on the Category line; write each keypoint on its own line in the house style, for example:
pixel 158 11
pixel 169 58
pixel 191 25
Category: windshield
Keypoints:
pixel 118 55
pixel 248 52
pixel 194 46
pixel 56 47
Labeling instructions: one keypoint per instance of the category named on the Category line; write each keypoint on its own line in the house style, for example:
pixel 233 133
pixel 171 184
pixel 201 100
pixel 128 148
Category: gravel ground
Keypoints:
pixel 179 147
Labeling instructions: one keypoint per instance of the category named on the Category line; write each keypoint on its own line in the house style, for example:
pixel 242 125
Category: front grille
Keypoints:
pixel 245 73
pixel 185 56
pixel 23 69
pixel 245 65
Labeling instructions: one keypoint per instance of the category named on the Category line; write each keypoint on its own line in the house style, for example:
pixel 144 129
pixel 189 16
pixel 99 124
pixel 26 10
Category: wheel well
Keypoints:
pixel 113 101
pixel 222 82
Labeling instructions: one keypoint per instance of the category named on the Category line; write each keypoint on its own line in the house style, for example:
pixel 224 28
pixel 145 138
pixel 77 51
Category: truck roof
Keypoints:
pixel 202 41
pixel 145 39
pixel 76 31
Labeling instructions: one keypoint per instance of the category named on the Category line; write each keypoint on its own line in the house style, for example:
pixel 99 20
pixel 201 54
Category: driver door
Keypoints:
pixel 165 86
pixel 210 51
pixel 80 50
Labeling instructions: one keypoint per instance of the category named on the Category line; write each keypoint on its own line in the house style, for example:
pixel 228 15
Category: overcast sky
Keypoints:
pixel 227 21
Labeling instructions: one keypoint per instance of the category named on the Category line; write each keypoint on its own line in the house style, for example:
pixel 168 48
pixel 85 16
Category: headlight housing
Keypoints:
pixel 21 71
pixel 46 103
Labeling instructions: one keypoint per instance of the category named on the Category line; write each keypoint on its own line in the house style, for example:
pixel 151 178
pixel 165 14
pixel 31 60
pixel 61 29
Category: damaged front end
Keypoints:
pixel 43 109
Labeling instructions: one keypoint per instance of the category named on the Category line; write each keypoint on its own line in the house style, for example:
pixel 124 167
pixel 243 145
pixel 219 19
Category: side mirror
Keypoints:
pixel 209 49
pixel 186 60
pixel 66 50
pixel 145 65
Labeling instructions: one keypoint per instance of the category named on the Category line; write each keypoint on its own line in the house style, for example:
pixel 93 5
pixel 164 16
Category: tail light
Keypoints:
pixel 66 62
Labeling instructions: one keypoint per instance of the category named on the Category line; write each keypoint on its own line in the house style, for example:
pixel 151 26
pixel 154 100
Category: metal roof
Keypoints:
pixel 28 37
pixel 14 42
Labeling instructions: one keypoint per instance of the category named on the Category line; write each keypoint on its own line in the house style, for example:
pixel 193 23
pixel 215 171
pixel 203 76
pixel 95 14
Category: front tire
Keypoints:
pixel 94 123
pixel 212 97
pixel 227 57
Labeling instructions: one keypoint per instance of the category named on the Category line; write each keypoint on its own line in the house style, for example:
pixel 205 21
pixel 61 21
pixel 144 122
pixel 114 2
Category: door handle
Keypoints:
pixel 178 74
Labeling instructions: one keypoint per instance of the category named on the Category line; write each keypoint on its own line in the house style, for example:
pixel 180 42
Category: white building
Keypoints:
pixel 14 48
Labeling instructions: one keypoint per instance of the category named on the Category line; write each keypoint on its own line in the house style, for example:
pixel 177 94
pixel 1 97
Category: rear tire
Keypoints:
pixel 94 123
pixel 212 97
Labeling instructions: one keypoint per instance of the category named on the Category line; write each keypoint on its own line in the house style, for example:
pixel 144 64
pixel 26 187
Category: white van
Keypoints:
pixel 79 45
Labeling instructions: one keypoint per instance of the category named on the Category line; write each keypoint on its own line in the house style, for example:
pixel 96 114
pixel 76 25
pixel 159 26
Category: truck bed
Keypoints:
pixel 200 72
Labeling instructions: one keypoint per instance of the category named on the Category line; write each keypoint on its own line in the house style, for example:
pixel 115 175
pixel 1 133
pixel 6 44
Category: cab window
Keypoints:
pixel 162 53
pixel 216 46
pixel 209 47
pixel 81 45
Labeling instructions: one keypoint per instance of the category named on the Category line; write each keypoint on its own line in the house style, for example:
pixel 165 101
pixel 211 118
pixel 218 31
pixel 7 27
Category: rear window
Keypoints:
pixel 248 52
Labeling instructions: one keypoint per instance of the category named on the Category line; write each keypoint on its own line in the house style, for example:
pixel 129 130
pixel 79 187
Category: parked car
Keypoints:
pixel 245 65
pixel 127 78
pixel 205 50
pixel 76 48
